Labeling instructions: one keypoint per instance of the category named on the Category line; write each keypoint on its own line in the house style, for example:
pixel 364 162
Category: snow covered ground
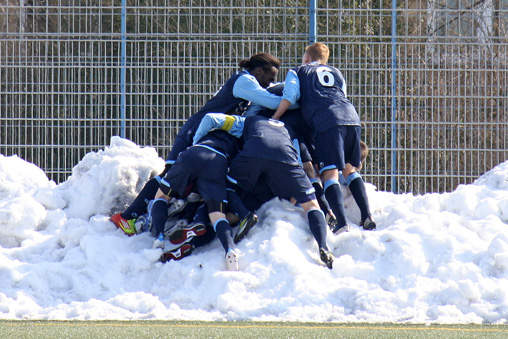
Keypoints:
pixel 434 258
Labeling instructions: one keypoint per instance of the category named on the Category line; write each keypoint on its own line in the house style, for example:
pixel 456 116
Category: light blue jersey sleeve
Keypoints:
pixel 291 88
pixel 248 88
pixel 254 108
pixel 233 124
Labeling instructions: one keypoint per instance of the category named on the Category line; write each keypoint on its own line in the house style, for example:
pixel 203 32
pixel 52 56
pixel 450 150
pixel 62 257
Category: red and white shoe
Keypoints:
pixel 179 253
pixel 185 233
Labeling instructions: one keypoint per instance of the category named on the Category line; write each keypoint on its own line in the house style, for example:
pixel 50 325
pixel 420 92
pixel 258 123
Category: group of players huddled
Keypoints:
pixel 252 141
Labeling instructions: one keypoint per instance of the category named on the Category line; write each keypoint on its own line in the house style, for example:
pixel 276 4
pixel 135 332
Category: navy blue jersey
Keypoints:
pixel 322 99
pixel 222 102
pixel 295 124
pixel 267 139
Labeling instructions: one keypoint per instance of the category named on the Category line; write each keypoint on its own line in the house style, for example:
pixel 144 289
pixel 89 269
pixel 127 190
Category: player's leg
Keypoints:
pixel 225 234
pixel 356 184
pixel 140 204
pixel 192 240
pixel 174 185
pixel 335 198
pixel 211 185
pixel 330 158
pixel 243 176
pixel 245 218
pixel 158 216
pixel 317 225
pixel 126 220
pixel 353 152
pixel 288 180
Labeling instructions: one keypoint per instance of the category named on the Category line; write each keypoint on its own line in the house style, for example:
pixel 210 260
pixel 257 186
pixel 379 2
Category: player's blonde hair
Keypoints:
pixel 318 52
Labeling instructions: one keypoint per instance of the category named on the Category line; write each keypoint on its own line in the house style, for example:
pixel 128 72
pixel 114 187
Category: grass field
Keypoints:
pixel 199 329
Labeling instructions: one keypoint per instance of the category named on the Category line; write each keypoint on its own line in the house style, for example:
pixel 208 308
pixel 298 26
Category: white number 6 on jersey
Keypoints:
pixel 325 76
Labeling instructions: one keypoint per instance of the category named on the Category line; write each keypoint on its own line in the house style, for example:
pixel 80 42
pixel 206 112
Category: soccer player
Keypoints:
pixel 303 140
pixel 247 85
pixel 357 187
pixel 321 93
pixel 204 164
pixel 268 153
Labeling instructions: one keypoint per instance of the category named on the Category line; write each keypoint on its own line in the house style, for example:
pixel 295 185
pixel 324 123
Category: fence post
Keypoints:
pixel 312 21
pixel 123 62
pixel 394 98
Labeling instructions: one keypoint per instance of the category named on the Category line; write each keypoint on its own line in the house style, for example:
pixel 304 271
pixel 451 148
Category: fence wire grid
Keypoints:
pixel 428 78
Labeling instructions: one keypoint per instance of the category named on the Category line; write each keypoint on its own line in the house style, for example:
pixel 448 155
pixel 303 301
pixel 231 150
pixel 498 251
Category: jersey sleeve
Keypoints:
pixel 248 88
pixel 233 124
pixel 292 87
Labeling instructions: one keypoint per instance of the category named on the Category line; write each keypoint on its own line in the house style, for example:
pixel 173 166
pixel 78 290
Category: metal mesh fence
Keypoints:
pixel 428 78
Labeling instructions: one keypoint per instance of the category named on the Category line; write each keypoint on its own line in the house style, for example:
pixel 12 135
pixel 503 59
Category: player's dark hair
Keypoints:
pixel 263 60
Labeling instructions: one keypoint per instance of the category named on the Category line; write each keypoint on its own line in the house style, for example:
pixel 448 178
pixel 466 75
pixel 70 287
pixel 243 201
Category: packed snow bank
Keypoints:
pixel 434 258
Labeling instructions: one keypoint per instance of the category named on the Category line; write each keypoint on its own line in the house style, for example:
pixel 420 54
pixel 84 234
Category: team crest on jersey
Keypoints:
pixel 321 164
pixel 276 123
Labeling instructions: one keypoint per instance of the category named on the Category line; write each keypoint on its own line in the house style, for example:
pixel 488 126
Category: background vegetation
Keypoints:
pixel 430 86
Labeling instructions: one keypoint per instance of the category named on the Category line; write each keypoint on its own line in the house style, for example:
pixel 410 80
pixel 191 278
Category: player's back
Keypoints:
pixel 222 142
pixel 323 98
pixel 267 139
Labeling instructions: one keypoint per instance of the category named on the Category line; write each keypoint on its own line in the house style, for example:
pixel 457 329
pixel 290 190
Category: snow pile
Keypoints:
pixel 434 258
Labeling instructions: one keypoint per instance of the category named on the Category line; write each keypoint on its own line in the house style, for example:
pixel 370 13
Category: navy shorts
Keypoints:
pixel 284 180
pixel 338 146
pixel 255 199
pixel 203 167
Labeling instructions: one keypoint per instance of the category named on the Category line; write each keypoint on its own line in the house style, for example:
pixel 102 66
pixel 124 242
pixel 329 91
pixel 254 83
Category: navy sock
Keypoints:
pixel 357 187
pixel 159 216
pixel 317 224
pixel 235 205
pixel 202 215
pixel 139 205
pixel 320 195
pixel 223 229
pixel 334 196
